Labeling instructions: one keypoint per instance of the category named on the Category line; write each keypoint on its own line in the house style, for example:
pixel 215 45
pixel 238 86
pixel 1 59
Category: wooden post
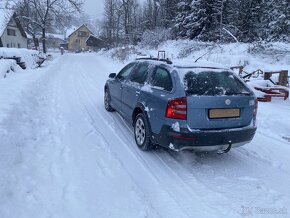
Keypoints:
pixel 267 75
pixel 240 68
pixel 283 78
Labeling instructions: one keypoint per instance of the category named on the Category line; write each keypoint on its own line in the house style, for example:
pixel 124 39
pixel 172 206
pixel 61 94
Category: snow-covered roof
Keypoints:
pixel 70 31
pixel 187 64
pixel 5 16
pixel 94 37
pixel 29 36
pixel 198 64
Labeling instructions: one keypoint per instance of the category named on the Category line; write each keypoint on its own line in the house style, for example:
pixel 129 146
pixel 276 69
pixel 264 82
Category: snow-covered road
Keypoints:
pixel 62 155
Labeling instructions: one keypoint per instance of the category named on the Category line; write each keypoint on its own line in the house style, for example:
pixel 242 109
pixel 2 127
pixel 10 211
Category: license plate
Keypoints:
pixel 224 113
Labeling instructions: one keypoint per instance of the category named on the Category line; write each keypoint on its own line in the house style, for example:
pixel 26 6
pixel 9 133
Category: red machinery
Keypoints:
pixel 270 92
pixel 267 88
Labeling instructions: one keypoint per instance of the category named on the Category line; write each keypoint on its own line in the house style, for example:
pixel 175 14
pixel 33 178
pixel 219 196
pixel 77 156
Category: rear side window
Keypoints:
pixel 213 83
pixel 125 72
pixel 161 78
pixel 140 74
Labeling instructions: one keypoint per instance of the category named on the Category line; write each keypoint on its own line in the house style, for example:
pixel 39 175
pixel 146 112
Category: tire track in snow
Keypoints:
pixel 74 98
pixel 132 172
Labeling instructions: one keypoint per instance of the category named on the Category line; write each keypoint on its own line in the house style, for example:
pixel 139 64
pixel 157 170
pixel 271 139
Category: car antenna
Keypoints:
pixel 161 57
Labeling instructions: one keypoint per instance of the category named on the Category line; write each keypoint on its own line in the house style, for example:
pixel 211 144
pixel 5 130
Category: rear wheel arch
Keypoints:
pixel 140 108
pixel 136 111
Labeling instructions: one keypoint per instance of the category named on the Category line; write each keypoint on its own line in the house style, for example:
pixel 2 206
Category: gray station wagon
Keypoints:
pixel 186 105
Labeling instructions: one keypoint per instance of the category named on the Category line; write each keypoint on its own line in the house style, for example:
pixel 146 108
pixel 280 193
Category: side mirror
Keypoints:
pixel 112 75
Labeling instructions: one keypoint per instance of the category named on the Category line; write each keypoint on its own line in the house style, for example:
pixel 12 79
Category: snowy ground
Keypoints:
pixel 62 156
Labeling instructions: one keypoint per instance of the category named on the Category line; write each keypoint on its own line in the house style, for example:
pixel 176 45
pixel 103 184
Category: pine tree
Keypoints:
pixel 206 20
pixel 184 10
pixel 230 18
pixel 276 20
pixel 200 19
pixel 168 12
pixel 250 20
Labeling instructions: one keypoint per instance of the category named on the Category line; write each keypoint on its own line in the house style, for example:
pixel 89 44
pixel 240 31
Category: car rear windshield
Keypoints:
pixel 212 83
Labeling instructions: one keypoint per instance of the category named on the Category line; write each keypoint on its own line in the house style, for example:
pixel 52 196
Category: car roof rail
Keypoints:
pixel 155 59
pixel 161 57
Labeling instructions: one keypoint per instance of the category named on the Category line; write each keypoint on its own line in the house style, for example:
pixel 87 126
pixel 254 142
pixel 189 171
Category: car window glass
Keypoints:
pixel 213 83
pixel 125 72
pixel 161 78
pixel 140 74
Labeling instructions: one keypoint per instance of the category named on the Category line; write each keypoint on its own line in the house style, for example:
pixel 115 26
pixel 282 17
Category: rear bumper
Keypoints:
pixel 204 140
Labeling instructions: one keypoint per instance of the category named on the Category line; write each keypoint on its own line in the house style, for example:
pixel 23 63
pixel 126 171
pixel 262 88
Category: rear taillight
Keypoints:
pixel 176 109
pixel 256 108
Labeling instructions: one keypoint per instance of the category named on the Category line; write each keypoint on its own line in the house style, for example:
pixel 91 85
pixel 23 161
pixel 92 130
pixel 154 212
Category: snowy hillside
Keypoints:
pixel 270 57
pixel 62 155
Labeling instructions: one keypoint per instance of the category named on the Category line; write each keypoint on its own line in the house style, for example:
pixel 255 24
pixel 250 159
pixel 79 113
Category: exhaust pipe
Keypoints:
pixel 226 150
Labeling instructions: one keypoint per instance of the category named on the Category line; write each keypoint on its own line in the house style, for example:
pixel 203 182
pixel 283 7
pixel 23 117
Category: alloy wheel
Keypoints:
pixel 140 131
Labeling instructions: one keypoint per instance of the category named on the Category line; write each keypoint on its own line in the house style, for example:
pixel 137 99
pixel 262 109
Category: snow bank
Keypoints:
pixel 8 66
pixel 27 56
pixel 15 82
pixel 275 56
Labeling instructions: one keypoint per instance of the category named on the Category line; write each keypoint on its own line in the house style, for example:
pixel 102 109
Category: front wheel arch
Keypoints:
pixel 107 100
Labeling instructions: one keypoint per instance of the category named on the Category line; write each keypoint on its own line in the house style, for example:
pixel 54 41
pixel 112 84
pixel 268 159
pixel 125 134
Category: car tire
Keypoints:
pixel 142 133
pixel 107 101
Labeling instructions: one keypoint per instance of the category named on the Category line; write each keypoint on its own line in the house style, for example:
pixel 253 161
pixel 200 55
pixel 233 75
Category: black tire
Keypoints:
pixel 142 133
pixel 107 101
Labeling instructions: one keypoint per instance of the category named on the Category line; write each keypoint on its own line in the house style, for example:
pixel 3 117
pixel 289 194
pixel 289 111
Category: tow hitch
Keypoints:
pixel 226 150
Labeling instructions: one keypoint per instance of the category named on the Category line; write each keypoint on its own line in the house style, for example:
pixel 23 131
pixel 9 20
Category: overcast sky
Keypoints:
pixel 95 8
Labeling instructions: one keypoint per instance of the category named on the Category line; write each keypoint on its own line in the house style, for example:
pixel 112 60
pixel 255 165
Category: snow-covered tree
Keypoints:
pixel 153 38
pixel 43 14
pixel 207 20
pixel 276 20
pixel 200 19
